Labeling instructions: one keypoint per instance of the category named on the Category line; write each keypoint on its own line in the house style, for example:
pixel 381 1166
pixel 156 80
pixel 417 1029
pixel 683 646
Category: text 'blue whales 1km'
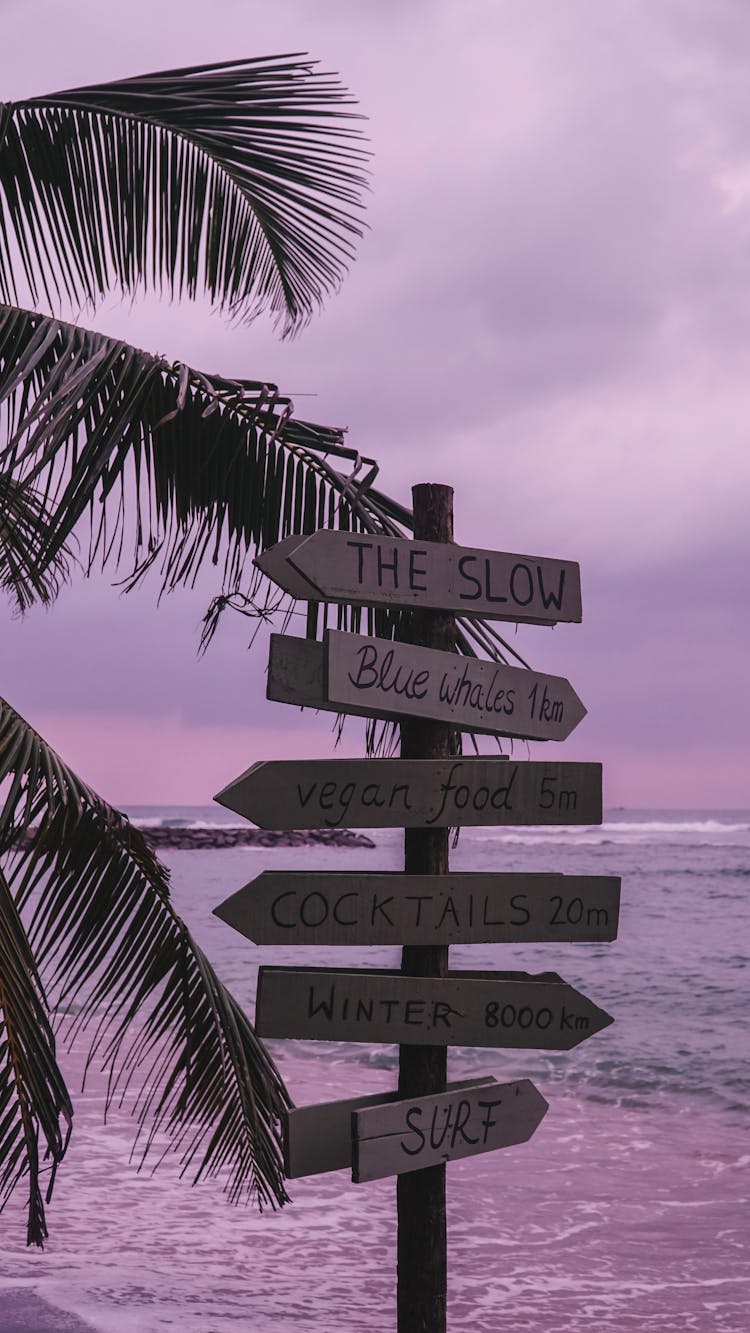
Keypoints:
pixel 371 677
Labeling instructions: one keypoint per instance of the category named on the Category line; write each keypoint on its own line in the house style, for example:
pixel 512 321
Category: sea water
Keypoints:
pixel 627 1210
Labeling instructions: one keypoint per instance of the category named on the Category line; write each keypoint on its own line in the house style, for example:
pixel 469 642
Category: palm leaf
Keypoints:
pixel 173 466
pixel 242 178
pixel 178 463
pixel 117 959
pixel 34 1101
pixel 25 575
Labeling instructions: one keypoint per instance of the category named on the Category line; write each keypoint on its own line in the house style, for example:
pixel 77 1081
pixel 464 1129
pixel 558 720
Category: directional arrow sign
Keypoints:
pixel 371 570
pixel 408 1135
pixel 319 1138
pixel 399 679
pixel 414 793
pixel 336 907
pixel 499 1009
pixel 294 583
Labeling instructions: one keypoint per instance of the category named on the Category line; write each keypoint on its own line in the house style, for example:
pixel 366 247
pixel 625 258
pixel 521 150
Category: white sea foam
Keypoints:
pixel 626 1211
pixel 164 821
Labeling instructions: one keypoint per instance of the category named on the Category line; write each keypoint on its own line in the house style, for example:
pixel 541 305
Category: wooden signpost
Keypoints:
pixel 337 907
pixel 319 1138
pixel 371 677
pixel 497 1009
pixel 398 1136
pixel 425 1007
pixel 415 793
pixel 364 569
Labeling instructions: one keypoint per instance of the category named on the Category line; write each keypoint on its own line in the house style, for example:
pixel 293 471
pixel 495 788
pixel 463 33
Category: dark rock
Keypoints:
pixel 197 838
pixel 184 838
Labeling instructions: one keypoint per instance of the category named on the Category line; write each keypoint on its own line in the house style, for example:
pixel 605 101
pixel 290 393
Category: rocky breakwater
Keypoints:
pixel 185 837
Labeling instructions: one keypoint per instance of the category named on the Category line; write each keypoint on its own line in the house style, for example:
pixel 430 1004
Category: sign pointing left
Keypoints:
pixel 415 793
pixel 368 569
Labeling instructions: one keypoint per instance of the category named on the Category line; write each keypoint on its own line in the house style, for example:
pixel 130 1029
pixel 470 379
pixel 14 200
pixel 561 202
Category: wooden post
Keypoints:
pixel 422 1258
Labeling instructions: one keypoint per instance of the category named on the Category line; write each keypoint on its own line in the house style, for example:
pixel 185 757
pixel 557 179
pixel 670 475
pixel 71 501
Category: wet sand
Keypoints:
pixel 23 1311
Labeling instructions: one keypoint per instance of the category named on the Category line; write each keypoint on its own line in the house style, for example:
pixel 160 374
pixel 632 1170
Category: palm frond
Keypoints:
pixel 115 956
pixel 181 464
pixel 242 178
pixel 34 1101
pixel 179 467
pixel 24 575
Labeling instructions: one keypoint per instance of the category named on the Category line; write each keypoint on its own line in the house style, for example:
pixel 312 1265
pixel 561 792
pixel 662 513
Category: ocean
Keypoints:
pixel 627 1212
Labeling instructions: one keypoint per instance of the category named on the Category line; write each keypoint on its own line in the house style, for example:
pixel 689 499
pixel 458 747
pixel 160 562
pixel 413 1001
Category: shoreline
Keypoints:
pixel 25 1311
pixel 190 838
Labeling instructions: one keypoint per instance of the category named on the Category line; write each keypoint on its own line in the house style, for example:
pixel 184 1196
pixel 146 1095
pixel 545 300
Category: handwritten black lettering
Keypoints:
pixel 277 921
pixel 341 920
pixel 324 1005
pixel 380 907
pixel 415 573
pixel 412 1117
pixel 489 1122
pixel 360 547
pixel 463 1114
pixel 463 563
pixel 390 565
pixel 551 598
pixel 521 582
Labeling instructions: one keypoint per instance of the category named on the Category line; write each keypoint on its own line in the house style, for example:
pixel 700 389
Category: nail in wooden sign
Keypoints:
pixel 388 1140
pixel 415 793
pixel 319 1138
pixel 366 569
pixel 496 1009
pixel 336 907
pixel 400 679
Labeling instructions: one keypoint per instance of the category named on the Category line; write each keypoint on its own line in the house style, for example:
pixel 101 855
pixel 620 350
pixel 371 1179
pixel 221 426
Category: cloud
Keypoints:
pixel 551 311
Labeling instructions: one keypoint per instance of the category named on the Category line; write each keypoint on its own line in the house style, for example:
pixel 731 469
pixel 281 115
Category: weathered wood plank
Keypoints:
pixel 338 907
pixel 295 582
pixel 319 1138
pixel 369 677
pixel 402 679
pixel 407 1135
pixel 365 569
pixel 415 793
pixel 495 1009
pixel 295 672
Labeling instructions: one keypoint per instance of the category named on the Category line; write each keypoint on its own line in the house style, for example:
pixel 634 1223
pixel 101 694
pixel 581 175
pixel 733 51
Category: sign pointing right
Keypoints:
pixel 398 1136
pixel 498 1009
pixel 401 679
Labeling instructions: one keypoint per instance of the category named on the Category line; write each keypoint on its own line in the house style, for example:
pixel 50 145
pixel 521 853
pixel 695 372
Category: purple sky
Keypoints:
pixel 551 312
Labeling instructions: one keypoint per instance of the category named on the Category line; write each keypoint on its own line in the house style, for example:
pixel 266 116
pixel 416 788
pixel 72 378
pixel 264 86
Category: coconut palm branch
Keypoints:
pixel 173 466
pixel 116 960
pixel 243 179
pixel 25 575
pixel 34 1101
pixel 179 463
